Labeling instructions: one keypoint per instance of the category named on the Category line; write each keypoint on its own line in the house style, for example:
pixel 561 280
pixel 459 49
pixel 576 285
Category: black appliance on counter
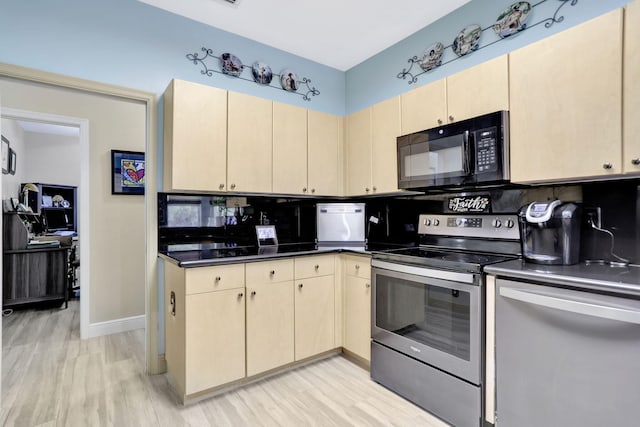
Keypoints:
pixel 550 232
pixel 428 312
pixel 469 152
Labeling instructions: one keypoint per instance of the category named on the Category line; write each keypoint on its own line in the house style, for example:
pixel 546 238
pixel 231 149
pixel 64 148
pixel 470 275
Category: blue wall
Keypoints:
pixel 375 79
pixel 132 44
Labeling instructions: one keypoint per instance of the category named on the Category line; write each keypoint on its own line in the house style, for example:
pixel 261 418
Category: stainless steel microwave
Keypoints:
pixel 467 153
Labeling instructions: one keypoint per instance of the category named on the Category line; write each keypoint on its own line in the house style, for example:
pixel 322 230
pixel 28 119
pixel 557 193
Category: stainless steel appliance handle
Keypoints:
pixel 466 153
pixel 558 303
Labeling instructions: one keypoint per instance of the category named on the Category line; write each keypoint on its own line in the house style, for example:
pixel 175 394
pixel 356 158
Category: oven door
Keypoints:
pixel 431 315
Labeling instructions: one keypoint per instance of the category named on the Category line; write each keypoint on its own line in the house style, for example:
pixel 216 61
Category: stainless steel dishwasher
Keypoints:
pixel 566 357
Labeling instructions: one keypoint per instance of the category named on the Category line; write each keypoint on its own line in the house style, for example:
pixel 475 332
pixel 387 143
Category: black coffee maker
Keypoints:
pixel 550 232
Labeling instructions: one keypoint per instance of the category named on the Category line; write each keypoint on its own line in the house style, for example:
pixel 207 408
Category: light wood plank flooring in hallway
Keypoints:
pixel 52 378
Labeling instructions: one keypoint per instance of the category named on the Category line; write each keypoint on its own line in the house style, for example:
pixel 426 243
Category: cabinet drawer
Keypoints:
pixel 358 266
pixel 270 271
pixel 314 266
pixel 218 278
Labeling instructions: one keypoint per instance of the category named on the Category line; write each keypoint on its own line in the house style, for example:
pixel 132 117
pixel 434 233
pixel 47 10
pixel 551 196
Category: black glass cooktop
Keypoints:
pixel 438 257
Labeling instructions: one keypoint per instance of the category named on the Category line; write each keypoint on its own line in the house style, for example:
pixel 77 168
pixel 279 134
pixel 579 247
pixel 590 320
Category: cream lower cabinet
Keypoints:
pixel 204 326
pixel 270 315
pixel 631 89
pixel 566 101
pixel 357 305
pixel 314 305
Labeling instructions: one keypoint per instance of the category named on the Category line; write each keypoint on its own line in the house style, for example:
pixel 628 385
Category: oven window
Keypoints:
pixel 435 316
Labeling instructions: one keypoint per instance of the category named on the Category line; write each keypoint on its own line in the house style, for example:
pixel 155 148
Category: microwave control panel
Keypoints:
pixel 486 150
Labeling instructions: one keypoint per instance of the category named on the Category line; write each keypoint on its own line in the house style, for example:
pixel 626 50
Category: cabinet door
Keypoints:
pixel 357 316
pixel 358 153
pixel 385 128
pixel 270 323
pixel 289 149
pixel 315 316
pixel 631 88
pixel 424 107
pixel 565 96
pixel 249 144
pixel 195 137
pixel 323 159
pixel 215 345
pixel 478 90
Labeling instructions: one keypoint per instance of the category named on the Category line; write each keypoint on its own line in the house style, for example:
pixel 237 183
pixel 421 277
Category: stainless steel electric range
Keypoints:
pixel 428 313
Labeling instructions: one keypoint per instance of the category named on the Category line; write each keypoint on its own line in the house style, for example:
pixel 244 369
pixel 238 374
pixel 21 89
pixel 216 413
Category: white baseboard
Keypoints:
pixel 115 326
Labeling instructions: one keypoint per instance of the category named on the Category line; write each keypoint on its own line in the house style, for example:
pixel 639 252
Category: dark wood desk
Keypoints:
pixel 35 275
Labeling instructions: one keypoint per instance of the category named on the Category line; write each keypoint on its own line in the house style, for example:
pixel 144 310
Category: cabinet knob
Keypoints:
pixel 221 186
pixel 607 166
pixel 317 267
pixel 233 186
pixel 300 286
pixel 304 190
pixel 272 273
pixel 375 189
pixel 635 162
pixel 240 295
pixel 313 190
pixel 367 285
pixel 217 279
pixel 357 266
pixel 451 118
pixel 439 121
pixel 366 189
pixel 253 293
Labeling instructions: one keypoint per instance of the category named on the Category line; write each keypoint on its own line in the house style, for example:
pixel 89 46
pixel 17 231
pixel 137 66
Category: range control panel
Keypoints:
pixel 487 226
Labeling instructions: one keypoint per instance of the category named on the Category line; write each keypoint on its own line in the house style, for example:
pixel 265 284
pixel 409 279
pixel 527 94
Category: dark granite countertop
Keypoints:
pixel 205 254
pixel 595 277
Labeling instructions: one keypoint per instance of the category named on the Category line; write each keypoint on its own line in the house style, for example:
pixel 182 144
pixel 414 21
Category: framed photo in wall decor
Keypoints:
pixel 13 160
pixel 5 155
pixel 127 172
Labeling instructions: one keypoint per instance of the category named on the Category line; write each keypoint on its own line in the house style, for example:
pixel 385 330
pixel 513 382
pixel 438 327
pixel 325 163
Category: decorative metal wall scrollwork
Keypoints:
pixel 511 21
pixel 232 66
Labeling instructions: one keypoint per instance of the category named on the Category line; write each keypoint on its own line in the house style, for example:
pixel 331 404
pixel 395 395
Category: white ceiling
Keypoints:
pixel 50 129
pixel 337 33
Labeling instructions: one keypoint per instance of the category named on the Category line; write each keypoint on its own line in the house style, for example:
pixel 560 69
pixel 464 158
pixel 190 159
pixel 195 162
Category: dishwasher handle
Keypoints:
pixel 588 309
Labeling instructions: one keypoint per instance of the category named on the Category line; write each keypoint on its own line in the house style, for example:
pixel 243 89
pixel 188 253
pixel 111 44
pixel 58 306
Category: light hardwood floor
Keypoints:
pixel 52 378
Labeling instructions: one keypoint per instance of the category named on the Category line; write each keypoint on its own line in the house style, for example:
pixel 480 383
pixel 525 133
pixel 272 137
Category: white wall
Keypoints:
pixel 11 183
pixel 52 159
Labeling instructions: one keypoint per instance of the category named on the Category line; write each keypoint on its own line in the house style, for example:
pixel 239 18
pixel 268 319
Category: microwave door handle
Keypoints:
pixel 466 153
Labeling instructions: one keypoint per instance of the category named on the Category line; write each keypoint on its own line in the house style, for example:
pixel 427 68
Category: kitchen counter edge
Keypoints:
pixel 580 276
pixel 262 257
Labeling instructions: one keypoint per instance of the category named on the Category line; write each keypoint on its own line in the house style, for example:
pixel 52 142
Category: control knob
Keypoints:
pixel 436 222
pixel 509 223
pixel 427 222
pixel 497 223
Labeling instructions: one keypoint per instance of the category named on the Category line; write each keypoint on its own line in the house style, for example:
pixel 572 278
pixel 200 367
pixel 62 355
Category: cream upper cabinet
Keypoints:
pixel 358 153
pixel 357 306
pixel 478 90
pixel 424 107
pixel 195 137
pixel 324 133
pixel 385 128
pixel 566 100
pixel 631 89
pixel 270 315
pixel 289 149
pixel 249 145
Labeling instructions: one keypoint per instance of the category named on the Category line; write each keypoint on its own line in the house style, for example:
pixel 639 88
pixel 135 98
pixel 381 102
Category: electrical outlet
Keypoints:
pixel 593 215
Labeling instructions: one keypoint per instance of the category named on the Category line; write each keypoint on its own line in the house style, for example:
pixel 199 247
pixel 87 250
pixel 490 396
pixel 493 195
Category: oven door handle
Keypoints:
pixel 466 153
pixel 586 308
